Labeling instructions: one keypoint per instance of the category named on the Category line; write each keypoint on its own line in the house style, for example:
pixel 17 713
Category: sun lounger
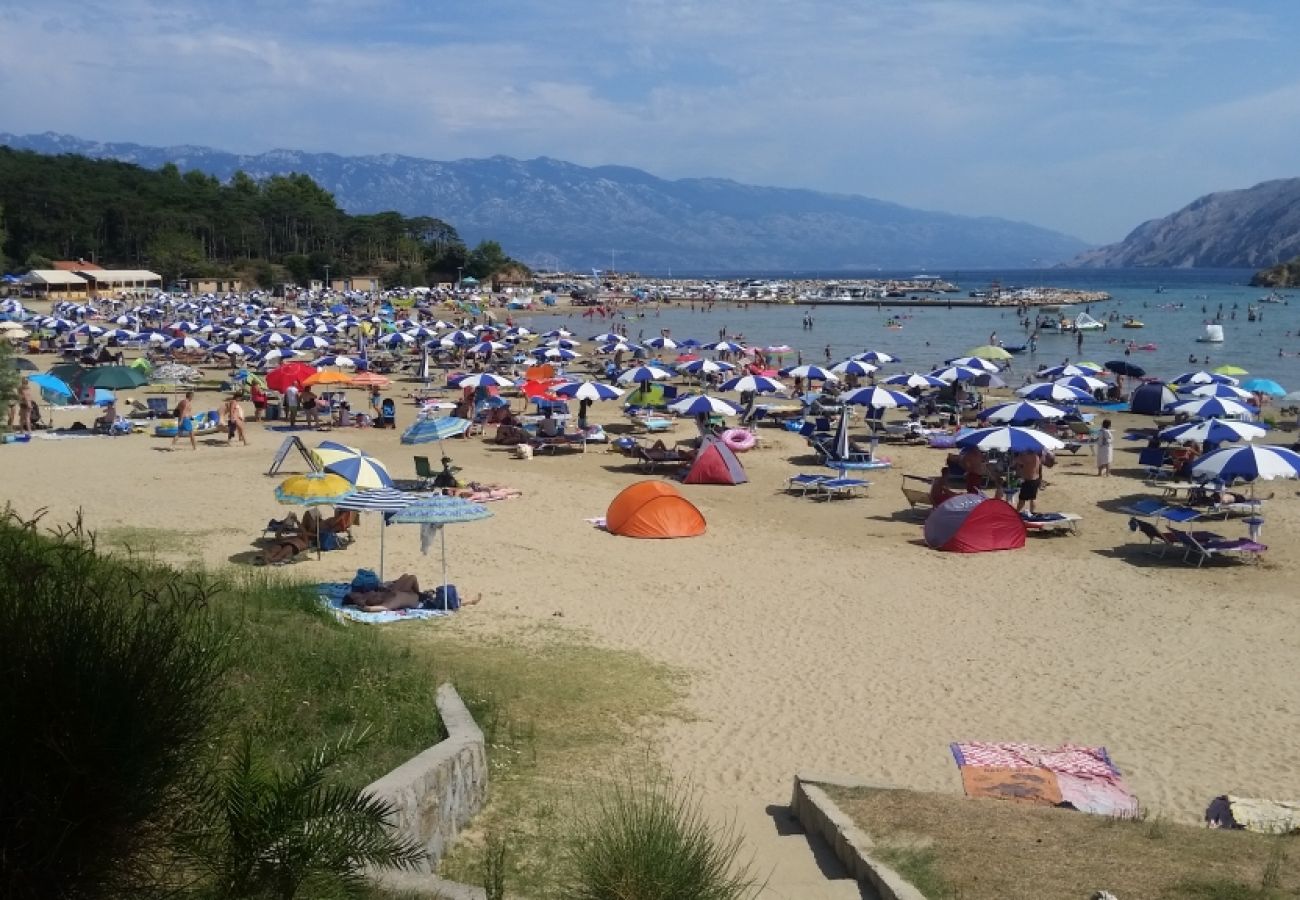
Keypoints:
pixel 1158 509
pixel 831 488
pixel 1052 522
pixel 1202 545
pixel 804 482
pixel 650 458
pixel 561 442
pixel 917 491
pixel 1157 540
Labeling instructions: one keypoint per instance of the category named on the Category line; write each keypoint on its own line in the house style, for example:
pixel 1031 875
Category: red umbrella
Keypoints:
pixel 280 378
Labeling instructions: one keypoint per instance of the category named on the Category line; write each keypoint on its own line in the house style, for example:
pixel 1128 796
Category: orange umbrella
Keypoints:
pixel 369 379
pixel 328 378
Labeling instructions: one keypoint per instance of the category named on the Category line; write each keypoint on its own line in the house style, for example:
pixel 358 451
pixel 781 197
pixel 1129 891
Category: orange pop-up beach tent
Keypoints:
pixel 653 509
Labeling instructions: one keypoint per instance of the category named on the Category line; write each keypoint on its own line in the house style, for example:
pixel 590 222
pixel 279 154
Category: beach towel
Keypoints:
pixel 1067 758
pixel 1022 785
pixel 1252 814
pixel 332 594
pixel 1083 778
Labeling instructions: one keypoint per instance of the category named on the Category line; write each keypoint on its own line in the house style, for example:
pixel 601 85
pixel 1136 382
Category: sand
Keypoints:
pixel 819 637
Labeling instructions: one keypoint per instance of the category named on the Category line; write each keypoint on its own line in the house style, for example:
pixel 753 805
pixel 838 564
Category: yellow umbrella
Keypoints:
pixel 314 489
pixel 328 377
pixel 1231 371
pixel 988 351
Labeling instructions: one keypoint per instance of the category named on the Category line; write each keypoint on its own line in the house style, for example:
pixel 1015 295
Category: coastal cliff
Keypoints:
pixel 1283 275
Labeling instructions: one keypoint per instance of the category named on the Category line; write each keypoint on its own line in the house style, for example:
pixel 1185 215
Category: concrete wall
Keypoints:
pixel 438 792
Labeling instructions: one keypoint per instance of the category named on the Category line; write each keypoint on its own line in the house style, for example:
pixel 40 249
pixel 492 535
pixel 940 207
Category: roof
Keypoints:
pixel 120 276
pixel 74 265
pixel 52 276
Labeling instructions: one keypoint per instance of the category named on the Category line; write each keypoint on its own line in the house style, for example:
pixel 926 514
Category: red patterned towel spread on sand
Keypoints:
pixel 1084 778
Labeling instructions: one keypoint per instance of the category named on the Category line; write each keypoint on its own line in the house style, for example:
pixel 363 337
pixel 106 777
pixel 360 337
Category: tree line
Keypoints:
pixel 190 224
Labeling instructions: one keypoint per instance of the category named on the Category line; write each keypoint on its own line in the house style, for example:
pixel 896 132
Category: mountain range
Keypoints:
pixel 1243 229
pixel 555 214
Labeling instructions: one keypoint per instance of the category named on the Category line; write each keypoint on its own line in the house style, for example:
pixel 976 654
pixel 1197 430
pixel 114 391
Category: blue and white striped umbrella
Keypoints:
pixel 1010 438
pixel 1051 373
pixel 1054 392
pixel 1215 431
pixel 186 326
pixel 556 333
pixel 293 323
pixel 702 404
pixel 957 373
pixel 915 380
pixel 233 349
pixel 425 431
pixel 724 347
pixel 643 374
pixel 396 339
pixel 338 361
pixel 462 337
pixel 973 362
pixel 1202 377
pixel 121 334
pixel 310 342
pixel 876 357
pixel 380 500
pixel 1211 407
pixel 487 348
pixel 661 343
pixel 88 329
pixel 877 398
pixel 1085 383
pixel 1215 390
pixel 618 347
pixel 275 354
pixel 360 468
pixel 812 373
pixel 566 343
pixel 1261 461
pixel 484 379
pixel 854 367
pixel 1021 412
pixel 439 510
pixel 606 337
pixel 555 353
pixel 186 343
pixel 271 339
pixel 757 384
pixel 704 367
pixel 587 390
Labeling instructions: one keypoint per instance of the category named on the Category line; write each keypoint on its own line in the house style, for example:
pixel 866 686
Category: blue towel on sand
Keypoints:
pixel 332 594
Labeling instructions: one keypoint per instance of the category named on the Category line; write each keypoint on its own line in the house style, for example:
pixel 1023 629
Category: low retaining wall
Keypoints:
pixel 436 793
pixel 819 815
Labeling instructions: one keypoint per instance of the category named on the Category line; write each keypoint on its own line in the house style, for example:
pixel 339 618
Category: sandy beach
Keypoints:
pixel 817 636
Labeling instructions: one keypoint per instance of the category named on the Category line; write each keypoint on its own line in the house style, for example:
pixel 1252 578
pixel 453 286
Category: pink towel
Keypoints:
pixel 1067 759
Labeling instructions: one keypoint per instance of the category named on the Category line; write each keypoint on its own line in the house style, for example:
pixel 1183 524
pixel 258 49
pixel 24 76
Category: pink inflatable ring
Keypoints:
pixel 739 440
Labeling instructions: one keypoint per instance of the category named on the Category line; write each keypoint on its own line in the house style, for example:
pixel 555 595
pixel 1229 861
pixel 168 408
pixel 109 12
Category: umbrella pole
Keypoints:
pixel 443 529
pixel 382 523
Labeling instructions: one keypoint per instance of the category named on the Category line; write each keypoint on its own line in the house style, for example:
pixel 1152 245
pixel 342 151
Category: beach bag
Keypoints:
pixel 365 580
pixel 329 540
pixel 446 599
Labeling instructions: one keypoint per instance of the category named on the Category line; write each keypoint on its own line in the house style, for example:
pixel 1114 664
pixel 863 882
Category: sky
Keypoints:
pixel 1085 116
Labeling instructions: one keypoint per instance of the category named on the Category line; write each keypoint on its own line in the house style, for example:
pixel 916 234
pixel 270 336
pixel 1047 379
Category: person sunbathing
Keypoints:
pixel 401 593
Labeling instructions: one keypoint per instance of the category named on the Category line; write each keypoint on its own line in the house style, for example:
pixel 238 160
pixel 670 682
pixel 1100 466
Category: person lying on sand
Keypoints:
pixel 401 593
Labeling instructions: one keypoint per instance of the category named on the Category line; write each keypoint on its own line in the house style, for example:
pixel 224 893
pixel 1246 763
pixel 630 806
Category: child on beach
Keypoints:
pixel 233 413
pixel 1105 448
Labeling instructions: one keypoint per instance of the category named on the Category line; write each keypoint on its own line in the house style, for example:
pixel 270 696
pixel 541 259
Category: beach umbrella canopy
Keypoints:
pixel 973 362
pixel 588 390
pixel 313 489
pixel 186 343
pixel 487 348
pixel 606 337
pixel 339 361
pixel 360 468
pixel 484 379
pixel 915 380
pixel 1211 407
pixel 87 328
pixel 643 374
pixel 854 367
pixel 51 383
pixel 380 500
pixel 555 353
pixel 757 384
pixel 956 373
pixel 877 398
pixel 704 367
pixel 1215 431
pixel 270 339
pixel 1126 368
pixel 113 377
pixel 426 431
pixel 233 349
pixel 326 376
pixel 1264 386
pixel 877 357
pixel 370 379
pixel 1202 377
pixel 1085 383
pixel 396 339
pixel 276 354
pixel 662 343
pixel 1020 413
pixel 1248 463
pixel 1230 391
pixel 1010 438
pixel 990 351
pixel 618 347
pixel 434 513
pixel 1230 370
pixel 280 378
pixel 1054 392
pixel 724 347
pixel 310 342
pixel 812 373
pixel 23 364
pixel 702 404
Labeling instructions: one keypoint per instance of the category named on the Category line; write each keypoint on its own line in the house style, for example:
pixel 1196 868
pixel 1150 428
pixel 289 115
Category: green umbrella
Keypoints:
pixel 113 377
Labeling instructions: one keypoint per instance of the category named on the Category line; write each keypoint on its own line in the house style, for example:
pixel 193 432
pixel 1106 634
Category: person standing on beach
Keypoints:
pixel 1105 448
pixel 291 404
pixel 233 413
pixel 184 420
pixel 1029 466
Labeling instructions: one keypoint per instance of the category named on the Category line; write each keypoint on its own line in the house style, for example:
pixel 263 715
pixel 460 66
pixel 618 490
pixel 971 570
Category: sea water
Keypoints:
pixel 1175 305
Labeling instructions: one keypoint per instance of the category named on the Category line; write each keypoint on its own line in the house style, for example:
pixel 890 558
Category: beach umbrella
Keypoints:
pixel 877 398
pixel 360 468
pixel 427 430
pixel 433 514
pixel 876 357
pixel 234 349
pixel 854 367
pixel 1054 392
pixel 662 343
pixel 487 348
pixel 1248 463
pixel 556 333
pixel 280 378
pixel 112 377
pixel 396 339
pixel 1211 407
pixel 1085 383
pixel 1021 412
pixel 327 376
pixel 606 337
pixel 484 379
pixel 186 326
pixel 271 339
pixel 566 343
pixel 973 362
pixel 702 404
pixel 88 329
pixel 812 373
pixel 381 500
pixel 1202 377
pixel 51 383
pixel 587 390
pixel 370 379
pixel 724 347
pixel 619 347
pixel 23 364
pixel 1264 386
pixel 1216 390
pixel 310 342
pixel 313 489
pixel 756 384
pixel 956 373
pixel 990 351
pixel 704 367
pixel 1215 431
pixel 337 360
pixel 915 380
pixel 461 338
pixel 643 375
pixel 1010 438
pixel 276 354
pixel 186 343
pixel 1230 370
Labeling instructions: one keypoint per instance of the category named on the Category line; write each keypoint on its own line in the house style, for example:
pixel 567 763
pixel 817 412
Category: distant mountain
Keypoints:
pixel 1245 229
pixel 555 214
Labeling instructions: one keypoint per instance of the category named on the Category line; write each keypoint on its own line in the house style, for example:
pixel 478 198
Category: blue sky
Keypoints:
pixel 1088 116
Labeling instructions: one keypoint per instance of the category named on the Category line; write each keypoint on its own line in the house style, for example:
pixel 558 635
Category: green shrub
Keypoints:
pixel 651 841
pixel 110 676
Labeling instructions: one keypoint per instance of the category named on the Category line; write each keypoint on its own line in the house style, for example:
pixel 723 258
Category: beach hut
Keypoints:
pixel 653 509
pixel 715 463
pixel 973 523
pixel 1151 399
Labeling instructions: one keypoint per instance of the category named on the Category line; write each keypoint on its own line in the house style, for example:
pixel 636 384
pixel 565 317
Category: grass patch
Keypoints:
pixel 143 541
pixel 557 712
pixel 987 849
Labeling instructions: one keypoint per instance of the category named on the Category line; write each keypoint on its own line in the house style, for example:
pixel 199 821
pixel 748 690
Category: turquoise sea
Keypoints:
pixel 1175 305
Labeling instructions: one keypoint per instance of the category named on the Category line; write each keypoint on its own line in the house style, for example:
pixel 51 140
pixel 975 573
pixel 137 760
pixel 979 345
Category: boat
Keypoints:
pixel 1213 335
pixel 1015 348
pixel 1085 322
pixel 1272 297
pixel 1132 322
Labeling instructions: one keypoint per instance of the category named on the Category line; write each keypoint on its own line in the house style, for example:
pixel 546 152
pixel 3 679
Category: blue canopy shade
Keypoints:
pixel 424 431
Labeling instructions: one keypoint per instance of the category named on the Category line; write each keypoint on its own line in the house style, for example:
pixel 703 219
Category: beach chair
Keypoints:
pixel 846 488
pixel 916 490
pixel 1052 522
pixel 1203 545
pixel 424 473
pixel 804 482
pixel 650 458
pixel 1157 540
pixel 1156 463
pixel 158 407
